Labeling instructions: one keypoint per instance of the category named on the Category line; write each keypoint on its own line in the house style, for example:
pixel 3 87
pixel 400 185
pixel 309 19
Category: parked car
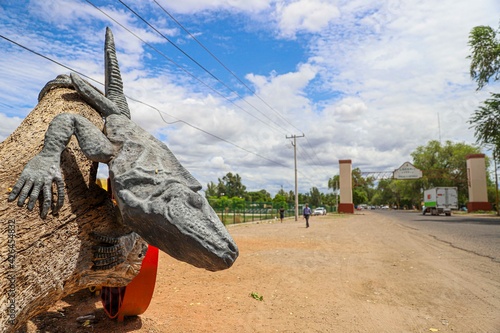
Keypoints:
pixel 319 211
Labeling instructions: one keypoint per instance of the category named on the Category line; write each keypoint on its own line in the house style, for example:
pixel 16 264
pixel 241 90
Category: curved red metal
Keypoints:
pixel 133 299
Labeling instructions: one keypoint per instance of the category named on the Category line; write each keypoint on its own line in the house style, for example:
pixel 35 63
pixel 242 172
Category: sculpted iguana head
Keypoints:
pixel 181 223
pixel 158 199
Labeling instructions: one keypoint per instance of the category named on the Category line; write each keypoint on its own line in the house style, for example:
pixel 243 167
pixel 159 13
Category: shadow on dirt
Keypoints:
pixel 80 312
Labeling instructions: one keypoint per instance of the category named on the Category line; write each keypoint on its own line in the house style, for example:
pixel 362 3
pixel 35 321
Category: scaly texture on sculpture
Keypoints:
pixel 157 197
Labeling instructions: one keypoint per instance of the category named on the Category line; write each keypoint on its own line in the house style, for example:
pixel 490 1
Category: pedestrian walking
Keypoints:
pixel 282 214
pixel 307 212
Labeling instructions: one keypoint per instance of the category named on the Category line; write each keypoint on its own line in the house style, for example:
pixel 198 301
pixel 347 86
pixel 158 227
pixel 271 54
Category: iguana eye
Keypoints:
pixel 195 200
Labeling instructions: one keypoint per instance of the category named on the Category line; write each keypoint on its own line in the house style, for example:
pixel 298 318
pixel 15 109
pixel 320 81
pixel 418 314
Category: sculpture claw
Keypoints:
pixel 35 182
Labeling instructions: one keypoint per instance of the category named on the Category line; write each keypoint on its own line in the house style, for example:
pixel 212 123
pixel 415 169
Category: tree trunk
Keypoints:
pixel 41 261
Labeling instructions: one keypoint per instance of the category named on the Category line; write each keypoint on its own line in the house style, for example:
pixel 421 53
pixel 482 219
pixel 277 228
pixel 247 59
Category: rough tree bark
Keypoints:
pixel 41 261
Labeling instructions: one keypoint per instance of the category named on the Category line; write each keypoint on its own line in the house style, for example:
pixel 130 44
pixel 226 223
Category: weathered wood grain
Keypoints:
pixel 43 260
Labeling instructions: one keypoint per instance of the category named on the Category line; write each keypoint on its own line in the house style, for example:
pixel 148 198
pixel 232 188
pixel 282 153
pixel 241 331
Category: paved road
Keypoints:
pixel 476 234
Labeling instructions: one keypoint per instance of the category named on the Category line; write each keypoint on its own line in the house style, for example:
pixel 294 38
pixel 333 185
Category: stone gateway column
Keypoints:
pixel 345 175
pixel 476 178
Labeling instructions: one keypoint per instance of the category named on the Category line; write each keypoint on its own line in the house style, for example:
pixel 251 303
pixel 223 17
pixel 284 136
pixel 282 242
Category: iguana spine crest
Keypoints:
pixel 113 86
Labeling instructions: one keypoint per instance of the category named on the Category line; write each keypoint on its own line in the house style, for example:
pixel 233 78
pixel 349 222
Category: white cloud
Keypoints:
pixel 7 124
pixel 347 110
pixel 375 78
pixel 196 6
pixel 286 94
pixel 217 162
pixel 310 16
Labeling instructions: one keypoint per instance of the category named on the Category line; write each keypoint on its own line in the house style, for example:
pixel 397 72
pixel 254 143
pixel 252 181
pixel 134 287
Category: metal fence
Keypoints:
pixel 260 211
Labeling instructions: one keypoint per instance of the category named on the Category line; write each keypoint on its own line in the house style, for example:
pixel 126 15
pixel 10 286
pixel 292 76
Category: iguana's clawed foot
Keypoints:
pixel 112 251
pixel 36 181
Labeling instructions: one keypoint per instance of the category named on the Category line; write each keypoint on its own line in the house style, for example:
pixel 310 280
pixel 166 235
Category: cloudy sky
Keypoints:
pixel 224 82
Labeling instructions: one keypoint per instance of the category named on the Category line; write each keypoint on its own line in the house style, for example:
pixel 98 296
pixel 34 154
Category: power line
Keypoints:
pixel 208 133
pixel 308 159
pixel 224 66
pixel 198 64
pixel 178 65
pixel 315 155
pixel 205 69
pixel 146 104
pixel 49 59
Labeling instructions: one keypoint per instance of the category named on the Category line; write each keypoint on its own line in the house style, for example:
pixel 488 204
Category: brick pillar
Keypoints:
pixel 345 175
pixel 476 178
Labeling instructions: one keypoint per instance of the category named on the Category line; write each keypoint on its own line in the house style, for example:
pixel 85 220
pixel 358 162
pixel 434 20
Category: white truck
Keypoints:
pixel 440 200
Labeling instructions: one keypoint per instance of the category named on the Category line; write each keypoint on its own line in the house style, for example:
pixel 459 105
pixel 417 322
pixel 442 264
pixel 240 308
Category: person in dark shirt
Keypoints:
pixel 307 212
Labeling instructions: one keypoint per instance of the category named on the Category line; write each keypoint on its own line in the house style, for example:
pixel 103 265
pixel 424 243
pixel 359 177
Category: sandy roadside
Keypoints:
pixel 360 273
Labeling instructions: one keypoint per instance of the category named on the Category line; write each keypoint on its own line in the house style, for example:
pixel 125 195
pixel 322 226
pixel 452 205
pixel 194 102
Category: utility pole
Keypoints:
pixel 337 196
pixel 294 144
pixel 496 184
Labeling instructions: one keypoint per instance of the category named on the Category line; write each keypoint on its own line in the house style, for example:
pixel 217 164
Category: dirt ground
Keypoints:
pixel 360 273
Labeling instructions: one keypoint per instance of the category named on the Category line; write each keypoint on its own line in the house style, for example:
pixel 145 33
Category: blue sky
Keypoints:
pixel 363 80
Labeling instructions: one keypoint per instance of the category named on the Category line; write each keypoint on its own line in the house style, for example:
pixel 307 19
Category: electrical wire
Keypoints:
pixel 178 65
pixel 199 65
pixel 146 104
pixel 49 59
pixel 239 80
pixel 314 156
pixel 208 133
pixel 224 66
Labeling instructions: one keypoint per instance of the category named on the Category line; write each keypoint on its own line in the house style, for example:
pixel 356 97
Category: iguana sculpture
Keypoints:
pixel 157 197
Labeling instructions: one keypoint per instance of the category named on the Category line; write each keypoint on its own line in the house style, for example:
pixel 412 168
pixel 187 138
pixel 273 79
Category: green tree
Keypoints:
pixel 362 187
pixel 222 202
pixel 359 196
pixel 315 197
pixel 211 190
pixel 362 191
pixel 330 199
pixel 383 194
pixel 484 67
pixel 406 193
pixel 333 183
pixel 279 201
pixel 238 203
pixel 258 196
pixel 304 198
pixel 485 55
pixel 282 192
pixel 444 166
pixel 231 186
pixel 486 123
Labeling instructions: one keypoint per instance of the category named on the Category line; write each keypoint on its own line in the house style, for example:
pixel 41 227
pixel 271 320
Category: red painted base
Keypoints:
pixel 346 208
pixel 475 206
pixel 133 299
